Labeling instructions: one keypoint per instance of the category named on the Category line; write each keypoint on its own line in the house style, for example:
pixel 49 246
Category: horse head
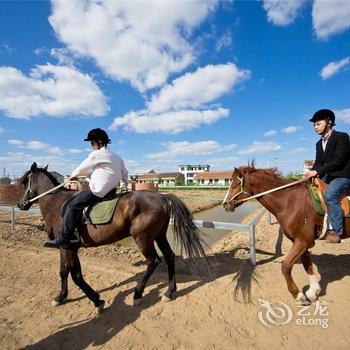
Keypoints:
pixel 236 191
pixel 31 184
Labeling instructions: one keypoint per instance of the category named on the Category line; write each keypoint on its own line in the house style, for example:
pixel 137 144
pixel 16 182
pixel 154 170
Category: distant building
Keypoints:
pixel 162 179
pixel 308 164
pixel 213 178
pixel 5 180
pixel 190 170
pixel 77 185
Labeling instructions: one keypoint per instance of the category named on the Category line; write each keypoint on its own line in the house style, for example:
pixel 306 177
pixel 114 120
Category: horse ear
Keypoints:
pixel 33 167
pixel 46 167
pixel 237 171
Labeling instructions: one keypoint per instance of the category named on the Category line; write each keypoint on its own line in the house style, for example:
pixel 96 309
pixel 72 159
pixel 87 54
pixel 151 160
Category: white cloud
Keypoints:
pixel 298 150
pixel 139 42
pixel 15 142
pixel 194 89
pixel 291 129
pixel 282 12
pixel 75 150
pixel 224 41
pixel 63 56
pixel 330 17
pixel 270 133
pixel 171 122
pixel 50 90
pixel 19 162
pixel 225 163
pixel 36 145
pixel 2 130
pixel 261 147
pixel 343 115
pixel 181 105
pixel 333 68
pixel 191 148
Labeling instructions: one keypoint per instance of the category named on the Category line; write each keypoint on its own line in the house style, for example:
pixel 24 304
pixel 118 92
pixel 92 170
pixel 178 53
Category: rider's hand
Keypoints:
pixel 310 173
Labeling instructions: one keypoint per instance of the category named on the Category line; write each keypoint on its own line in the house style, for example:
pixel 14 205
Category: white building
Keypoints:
pixel 190 170
pixel 214 178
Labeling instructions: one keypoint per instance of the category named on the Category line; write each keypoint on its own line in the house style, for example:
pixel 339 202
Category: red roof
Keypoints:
pixel 214 175
pixel 157 176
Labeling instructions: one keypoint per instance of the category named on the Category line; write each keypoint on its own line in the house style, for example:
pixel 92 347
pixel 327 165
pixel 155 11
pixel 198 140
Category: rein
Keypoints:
pixel 46 192
pixel 269 191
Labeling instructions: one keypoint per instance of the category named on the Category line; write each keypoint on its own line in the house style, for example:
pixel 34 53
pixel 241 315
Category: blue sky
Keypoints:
pixel 172 82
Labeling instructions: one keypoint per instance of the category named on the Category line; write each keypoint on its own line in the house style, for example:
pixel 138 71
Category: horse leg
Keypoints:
pixel 314 289
pixel 153 260
pixel 295 252
pixel 64 271
pixel 74 266
pixel 169 258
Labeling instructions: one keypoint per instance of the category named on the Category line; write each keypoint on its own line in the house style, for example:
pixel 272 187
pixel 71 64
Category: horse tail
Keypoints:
pixel 188 235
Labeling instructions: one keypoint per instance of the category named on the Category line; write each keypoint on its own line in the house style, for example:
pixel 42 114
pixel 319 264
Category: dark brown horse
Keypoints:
pixel 293 210
pixel 142 214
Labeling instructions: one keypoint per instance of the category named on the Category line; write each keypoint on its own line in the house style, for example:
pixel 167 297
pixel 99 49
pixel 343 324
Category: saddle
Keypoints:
pixel 317 195
pixel 98 213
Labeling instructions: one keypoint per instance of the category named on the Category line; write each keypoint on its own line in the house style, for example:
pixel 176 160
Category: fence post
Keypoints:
pixel 13 218
pixel 252 244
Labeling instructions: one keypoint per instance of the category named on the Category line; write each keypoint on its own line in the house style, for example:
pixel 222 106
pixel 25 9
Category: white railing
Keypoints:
pixel 229 226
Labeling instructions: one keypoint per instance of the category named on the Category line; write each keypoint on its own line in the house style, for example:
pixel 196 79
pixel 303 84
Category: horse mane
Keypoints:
pixel 250 168
pixel 271 172
pixel 42 170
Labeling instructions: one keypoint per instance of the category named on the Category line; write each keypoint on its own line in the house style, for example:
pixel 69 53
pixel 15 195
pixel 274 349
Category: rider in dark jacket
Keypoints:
pixel 332 165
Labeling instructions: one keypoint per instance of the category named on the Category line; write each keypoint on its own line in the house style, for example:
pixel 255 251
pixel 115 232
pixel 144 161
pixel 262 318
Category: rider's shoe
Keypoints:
pixel 332 237
pixel 62 243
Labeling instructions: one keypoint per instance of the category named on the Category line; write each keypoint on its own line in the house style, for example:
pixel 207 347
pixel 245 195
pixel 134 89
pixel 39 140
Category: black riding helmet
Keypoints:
pixel 98 135
pixel 323 114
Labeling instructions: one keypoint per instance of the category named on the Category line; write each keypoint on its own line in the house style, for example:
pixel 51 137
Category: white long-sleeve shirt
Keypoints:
pixel 106 170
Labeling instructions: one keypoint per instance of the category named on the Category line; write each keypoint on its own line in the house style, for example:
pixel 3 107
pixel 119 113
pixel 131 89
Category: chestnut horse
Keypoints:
pixel 142 214
pixel 293 210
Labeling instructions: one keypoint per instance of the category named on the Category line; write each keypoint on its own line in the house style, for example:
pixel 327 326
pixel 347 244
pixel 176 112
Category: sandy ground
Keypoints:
pixel 219 312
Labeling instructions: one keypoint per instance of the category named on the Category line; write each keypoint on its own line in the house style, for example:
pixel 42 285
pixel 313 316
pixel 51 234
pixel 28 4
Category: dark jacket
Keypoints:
pixel 335 160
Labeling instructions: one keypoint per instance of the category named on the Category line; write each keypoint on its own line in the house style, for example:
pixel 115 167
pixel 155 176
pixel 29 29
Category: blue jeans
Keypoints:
pixel 337 188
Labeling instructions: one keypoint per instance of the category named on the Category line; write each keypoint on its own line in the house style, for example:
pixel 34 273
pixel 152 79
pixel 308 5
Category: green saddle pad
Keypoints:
pixel 316 202
pixel 101 213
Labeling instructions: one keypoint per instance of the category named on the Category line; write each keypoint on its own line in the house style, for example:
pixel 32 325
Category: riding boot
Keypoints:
pixel 62 243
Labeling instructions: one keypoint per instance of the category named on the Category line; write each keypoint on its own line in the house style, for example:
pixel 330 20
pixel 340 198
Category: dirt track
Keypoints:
pixel 217 313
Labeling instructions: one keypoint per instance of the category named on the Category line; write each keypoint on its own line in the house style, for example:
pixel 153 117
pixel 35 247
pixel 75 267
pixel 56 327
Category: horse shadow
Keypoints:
pixel 99 330
pixel 331 268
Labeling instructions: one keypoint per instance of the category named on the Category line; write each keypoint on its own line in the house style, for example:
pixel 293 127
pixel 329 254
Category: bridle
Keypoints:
pixel 34 199
pixel 241 180
pixel 241 183
pixel 28 190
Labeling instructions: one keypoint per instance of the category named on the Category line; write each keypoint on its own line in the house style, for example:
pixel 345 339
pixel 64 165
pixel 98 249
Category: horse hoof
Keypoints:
pixel 137 301
pixel 56 303
pixel 166 298
pixel 312 294
pixel 302 300
pixel 99 309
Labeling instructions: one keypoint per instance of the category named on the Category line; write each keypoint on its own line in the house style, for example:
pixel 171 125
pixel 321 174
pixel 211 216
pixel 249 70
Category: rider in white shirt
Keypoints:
pixel 106 170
